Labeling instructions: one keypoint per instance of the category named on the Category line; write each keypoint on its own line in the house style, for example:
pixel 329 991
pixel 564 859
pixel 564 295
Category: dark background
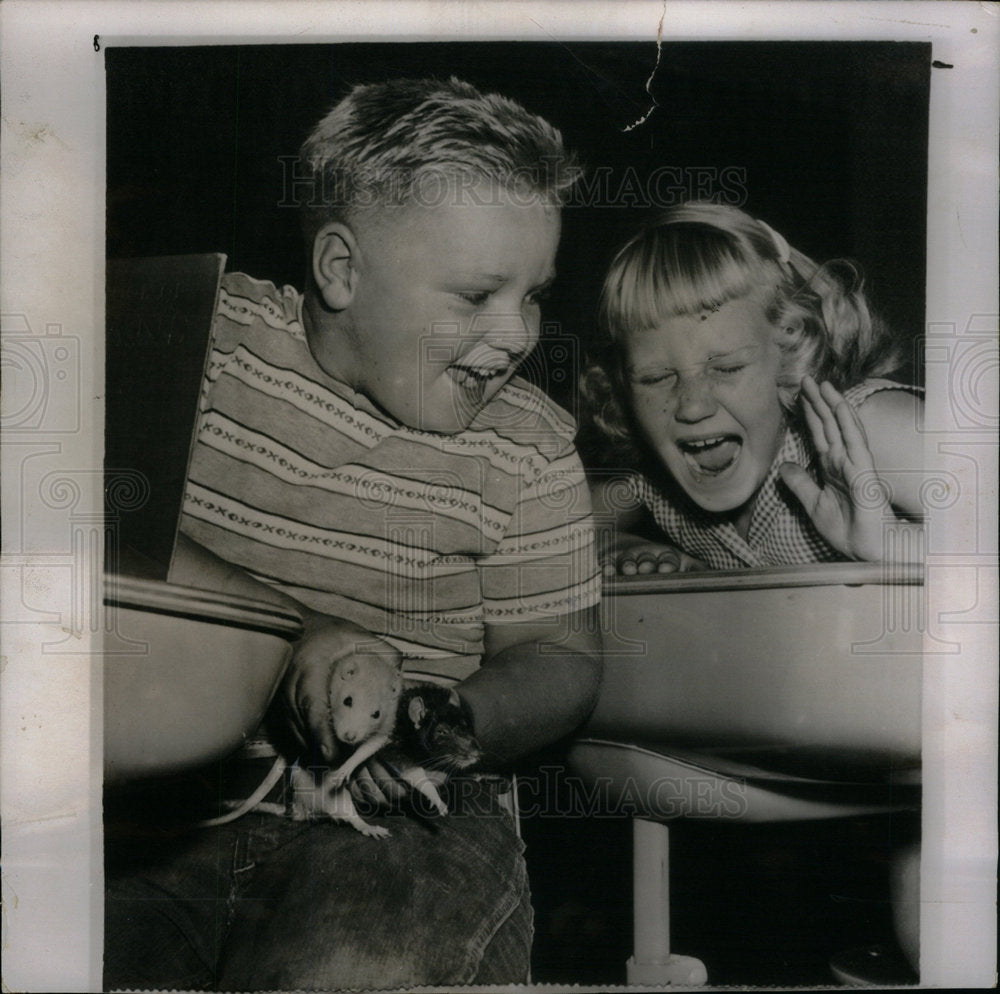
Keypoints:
pixel 827 142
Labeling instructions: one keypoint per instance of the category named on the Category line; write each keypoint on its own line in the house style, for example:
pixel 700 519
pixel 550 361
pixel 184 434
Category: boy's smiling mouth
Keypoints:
pixel 482 364
pixel 711 455
pixel 474 381
pixel 472 377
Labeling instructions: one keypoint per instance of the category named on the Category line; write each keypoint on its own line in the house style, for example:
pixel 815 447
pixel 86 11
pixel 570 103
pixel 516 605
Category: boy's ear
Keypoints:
pixel 334 263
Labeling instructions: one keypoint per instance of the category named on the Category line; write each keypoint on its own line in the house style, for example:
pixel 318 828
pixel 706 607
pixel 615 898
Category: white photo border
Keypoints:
pixel 52 288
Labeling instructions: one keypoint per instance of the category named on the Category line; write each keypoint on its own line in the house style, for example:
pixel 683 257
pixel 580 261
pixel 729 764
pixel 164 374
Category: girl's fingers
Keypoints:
pixel 830 394
pixel 645 560
pixel 824 399
pixel 851 433
pixel 840 410
pixel 668 561
pixel 812 403
pixel 855 441
pixel 816 430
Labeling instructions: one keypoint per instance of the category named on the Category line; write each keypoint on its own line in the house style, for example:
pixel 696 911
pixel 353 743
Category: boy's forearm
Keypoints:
pixel 525 696
pixel 530 695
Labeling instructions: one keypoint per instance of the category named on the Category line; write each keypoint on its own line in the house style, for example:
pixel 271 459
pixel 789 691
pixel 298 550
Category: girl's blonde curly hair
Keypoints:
pixel 697 257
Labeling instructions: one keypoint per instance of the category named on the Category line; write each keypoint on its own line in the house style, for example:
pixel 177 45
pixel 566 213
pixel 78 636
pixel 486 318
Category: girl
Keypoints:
pixel 739 400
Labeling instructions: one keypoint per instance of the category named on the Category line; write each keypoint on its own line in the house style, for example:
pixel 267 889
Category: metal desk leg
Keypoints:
pixel 652 963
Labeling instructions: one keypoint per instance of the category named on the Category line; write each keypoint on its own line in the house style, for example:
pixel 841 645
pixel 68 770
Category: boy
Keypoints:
pixel 366 454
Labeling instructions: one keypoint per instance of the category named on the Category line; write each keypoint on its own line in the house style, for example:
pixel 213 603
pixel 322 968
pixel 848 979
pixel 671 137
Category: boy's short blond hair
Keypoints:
pixel 378 144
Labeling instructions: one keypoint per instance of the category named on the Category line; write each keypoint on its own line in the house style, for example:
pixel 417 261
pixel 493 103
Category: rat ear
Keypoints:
pixel 348 670
pixel 334 264
pixel 416 711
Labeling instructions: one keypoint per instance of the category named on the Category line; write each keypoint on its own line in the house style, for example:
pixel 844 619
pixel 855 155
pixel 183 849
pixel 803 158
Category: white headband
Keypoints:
pixel 780 245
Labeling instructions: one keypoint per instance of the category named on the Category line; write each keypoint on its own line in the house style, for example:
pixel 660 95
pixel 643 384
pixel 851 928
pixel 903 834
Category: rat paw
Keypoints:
pixel 334 780
pixel 373 831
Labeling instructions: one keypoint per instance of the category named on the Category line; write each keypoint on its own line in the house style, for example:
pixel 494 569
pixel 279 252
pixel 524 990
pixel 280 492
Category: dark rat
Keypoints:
pixel 433 733
pixel 434 729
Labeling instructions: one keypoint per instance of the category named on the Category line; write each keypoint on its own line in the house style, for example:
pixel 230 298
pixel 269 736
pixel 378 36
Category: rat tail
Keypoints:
pixel 267 784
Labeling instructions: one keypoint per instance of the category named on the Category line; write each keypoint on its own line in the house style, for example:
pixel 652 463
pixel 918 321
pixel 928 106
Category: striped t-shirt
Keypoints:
pixel 780 530
pixel 421 538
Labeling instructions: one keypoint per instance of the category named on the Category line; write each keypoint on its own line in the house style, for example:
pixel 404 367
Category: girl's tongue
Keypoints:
pixel 711 456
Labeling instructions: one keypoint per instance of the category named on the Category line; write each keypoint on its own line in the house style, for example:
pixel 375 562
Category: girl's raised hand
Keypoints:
pixel 851 506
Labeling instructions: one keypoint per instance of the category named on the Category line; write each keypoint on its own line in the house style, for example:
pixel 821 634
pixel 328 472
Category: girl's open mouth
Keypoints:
pixel 710 457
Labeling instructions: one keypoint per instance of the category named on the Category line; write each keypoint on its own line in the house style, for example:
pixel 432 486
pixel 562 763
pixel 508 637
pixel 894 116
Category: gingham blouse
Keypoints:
pixel 780 531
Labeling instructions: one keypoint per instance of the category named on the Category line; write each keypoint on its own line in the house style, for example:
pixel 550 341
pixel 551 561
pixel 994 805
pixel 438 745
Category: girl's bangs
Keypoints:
pixel 677 272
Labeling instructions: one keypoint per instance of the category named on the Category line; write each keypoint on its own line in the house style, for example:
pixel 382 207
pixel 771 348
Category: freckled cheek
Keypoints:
pixel 643 401
pixel 654 417
pixel 653 409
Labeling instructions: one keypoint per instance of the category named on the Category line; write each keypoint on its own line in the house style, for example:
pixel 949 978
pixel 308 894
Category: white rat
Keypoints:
pixel 363 695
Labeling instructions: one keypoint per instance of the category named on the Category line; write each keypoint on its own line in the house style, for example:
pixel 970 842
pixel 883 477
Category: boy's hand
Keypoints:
pixel 851 508
pixel 641 556
pixel 375 783
pixel 306 686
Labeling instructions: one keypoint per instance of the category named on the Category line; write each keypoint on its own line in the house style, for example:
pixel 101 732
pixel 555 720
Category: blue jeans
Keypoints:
pixel 265 903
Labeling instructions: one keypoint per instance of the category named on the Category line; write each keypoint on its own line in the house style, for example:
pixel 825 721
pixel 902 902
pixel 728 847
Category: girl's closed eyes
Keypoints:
pixel 718 367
